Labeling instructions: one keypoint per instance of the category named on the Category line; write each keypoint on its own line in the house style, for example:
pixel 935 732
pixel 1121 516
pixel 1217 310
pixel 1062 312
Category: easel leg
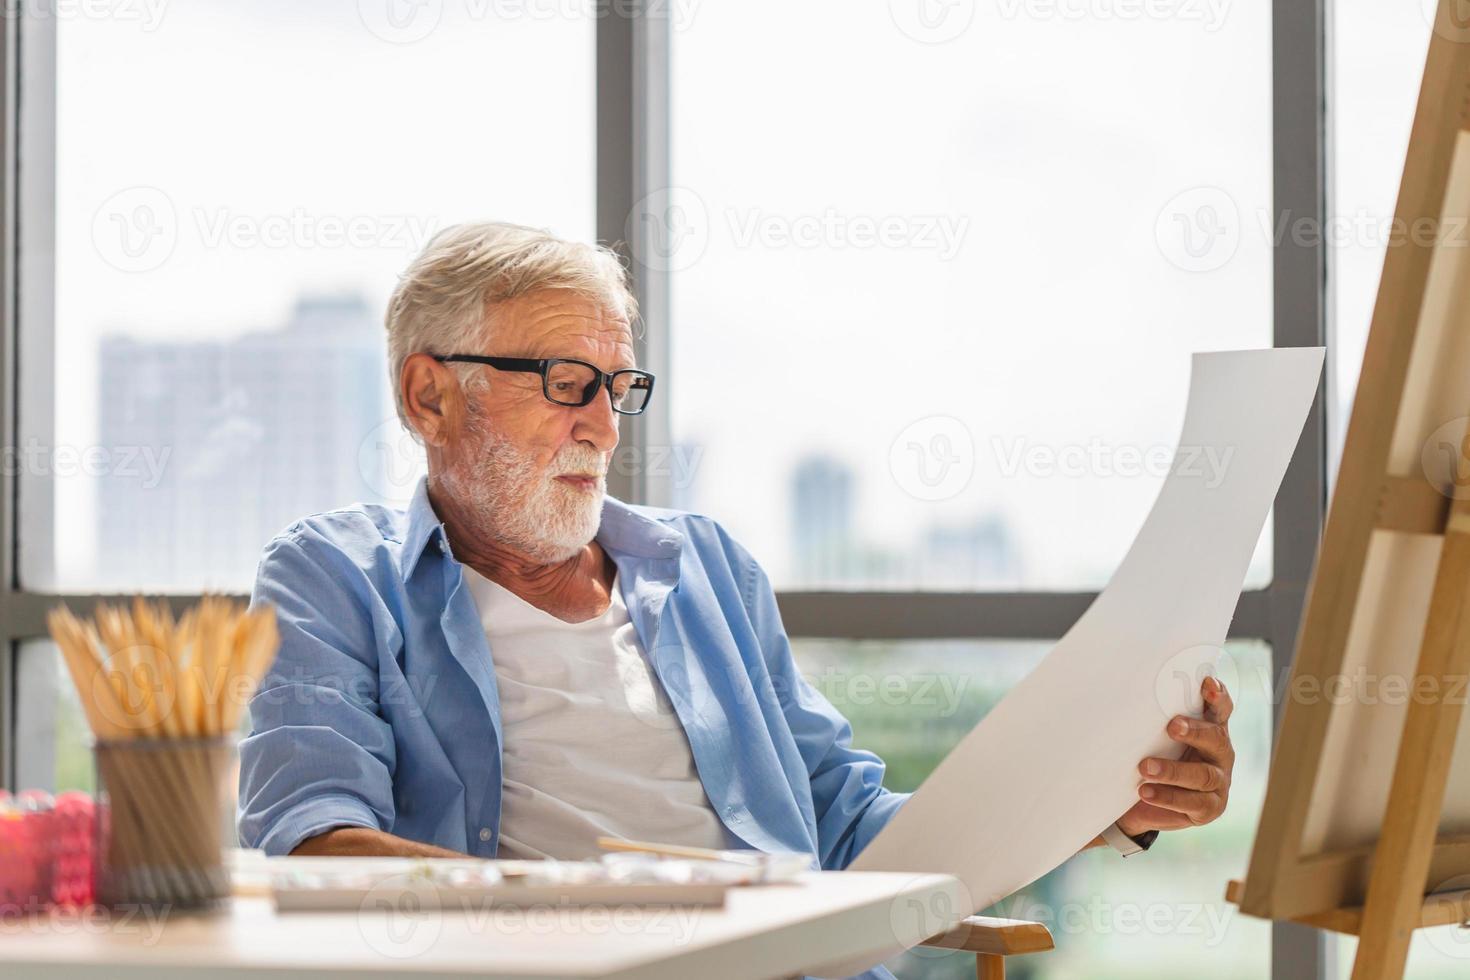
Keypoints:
pixel 988 967
pixel 1410 824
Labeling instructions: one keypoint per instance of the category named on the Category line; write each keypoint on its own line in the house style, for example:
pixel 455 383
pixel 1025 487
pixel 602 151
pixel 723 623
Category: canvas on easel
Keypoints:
pixel 1366 823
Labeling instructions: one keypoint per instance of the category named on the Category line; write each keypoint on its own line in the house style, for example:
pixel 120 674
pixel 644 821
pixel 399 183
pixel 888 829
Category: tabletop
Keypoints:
pixel 775 930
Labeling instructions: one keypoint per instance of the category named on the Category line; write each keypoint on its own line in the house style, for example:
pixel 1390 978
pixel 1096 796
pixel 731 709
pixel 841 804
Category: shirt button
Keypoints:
pixel 485 833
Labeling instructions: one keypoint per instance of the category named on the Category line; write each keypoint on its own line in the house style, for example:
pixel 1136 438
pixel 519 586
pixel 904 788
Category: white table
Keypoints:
pixel 765 931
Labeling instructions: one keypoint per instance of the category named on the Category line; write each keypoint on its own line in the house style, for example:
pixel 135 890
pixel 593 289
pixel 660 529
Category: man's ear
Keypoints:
pixel 431 398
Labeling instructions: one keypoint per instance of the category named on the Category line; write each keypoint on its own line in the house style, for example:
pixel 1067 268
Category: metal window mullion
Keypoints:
pixel 1299 76
pixel 960 615
pixel 9 74
pixel 633 161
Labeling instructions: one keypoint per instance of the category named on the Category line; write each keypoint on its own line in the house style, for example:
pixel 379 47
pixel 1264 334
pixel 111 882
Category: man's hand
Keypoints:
pixel 1192 791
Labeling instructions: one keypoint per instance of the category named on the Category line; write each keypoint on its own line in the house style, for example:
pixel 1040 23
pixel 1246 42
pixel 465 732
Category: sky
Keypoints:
pixel 984 233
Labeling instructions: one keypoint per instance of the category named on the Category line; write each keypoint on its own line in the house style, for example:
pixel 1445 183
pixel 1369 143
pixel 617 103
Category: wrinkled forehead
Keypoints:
pixel 560 323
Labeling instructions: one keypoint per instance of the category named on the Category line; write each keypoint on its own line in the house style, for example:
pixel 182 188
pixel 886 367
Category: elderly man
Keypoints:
pixel 517 664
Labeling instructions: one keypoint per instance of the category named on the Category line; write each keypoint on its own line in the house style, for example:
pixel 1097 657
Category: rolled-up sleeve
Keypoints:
pixel 319 755
pixel 848 797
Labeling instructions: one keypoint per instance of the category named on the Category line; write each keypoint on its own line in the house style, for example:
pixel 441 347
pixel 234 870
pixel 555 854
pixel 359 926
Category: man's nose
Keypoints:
pixel 597 423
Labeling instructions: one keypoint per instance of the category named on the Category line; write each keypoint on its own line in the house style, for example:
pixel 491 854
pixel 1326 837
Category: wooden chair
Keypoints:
pixel 992 940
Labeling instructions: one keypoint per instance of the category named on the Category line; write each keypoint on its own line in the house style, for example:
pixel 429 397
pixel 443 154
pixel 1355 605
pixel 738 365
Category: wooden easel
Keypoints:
pixel 1378 890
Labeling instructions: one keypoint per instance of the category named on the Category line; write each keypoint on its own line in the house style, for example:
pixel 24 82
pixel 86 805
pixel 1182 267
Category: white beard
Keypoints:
pixel 524 506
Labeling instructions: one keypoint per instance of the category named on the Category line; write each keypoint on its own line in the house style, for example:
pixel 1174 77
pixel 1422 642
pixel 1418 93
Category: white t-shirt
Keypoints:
pixel 592 745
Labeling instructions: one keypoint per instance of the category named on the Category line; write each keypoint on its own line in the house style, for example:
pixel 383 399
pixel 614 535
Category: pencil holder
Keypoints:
pixel 157 823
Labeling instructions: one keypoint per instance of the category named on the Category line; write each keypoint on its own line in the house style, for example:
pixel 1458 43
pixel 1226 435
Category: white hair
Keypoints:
pixel 440 302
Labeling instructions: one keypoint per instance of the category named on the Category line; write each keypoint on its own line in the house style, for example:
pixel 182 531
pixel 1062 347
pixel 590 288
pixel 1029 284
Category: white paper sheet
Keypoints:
pixel 1056 761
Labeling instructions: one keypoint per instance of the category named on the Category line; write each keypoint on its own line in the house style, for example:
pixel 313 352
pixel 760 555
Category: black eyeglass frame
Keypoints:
pixel 543 365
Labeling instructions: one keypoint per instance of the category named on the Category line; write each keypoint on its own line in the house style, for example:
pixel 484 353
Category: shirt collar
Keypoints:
pixel 624 530
pixel 423 525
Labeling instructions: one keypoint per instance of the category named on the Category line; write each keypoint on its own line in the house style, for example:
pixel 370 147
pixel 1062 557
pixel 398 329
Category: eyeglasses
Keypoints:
pixel 568 382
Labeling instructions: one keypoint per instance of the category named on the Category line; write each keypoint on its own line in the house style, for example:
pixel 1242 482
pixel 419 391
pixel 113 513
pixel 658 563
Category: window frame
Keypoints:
pixel 632 171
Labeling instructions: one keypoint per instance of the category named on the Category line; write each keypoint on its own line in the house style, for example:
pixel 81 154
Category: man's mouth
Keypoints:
pixel 581 481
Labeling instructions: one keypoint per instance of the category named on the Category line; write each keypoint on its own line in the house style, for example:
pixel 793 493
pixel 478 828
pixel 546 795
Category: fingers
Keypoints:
pixel 1209 738
pixel 1146 816
pixel 1203 777
pixel 1219 705
pixel 1199 808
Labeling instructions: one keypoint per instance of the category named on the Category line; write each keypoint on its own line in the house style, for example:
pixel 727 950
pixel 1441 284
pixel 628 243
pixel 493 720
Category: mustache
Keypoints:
pixel 579 461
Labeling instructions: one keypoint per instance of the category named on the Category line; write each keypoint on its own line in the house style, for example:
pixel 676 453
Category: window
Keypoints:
pixel 1161 916
pixel 224 249
pixel 935 284
pixel 921 299
pixel 1379 54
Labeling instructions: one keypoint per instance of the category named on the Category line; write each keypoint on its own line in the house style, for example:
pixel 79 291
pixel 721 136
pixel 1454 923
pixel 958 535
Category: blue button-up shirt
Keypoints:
pixel 381 710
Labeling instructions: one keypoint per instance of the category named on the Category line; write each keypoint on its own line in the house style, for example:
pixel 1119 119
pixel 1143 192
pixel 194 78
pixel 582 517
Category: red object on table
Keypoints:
pixel 74 851
pixel 25 852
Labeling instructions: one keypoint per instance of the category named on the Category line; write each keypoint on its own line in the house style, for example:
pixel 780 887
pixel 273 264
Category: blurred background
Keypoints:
pixel 929 275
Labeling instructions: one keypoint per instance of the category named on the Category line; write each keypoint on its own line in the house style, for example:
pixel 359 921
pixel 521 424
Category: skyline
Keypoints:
pixel 1052 287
